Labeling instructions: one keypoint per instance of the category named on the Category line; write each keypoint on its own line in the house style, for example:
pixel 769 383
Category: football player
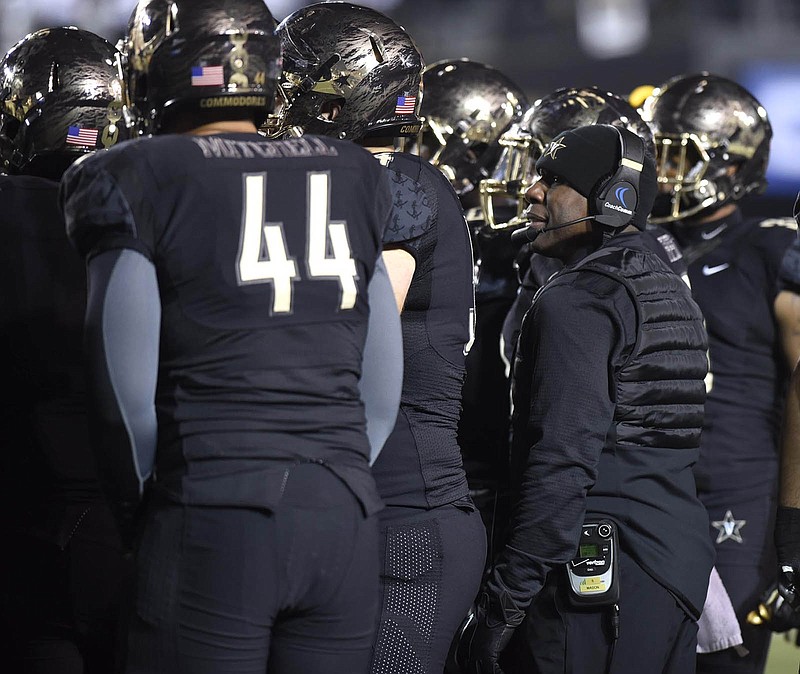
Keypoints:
pixel 226 386
pixel 712 141
pixel 63 572
pixel 352 72
pixel 466 108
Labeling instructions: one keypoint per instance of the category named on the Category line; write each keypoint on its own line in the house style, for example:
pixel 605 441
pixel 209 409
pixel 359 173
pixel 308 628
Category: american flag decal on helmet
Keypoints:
pixel 207 76
pixel 77 135
pixel 405 105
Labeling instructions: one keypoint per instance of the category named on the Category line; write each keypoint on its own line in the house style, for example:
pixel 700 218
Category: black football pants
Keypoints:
pixel 432 566
pixel 243 591
pixel 747 566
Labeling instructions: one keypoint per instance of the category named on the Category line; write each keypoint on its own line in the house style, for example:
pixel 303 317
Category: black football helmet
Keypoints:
pixel 202 55
pixel 466 107
pixel 705 126
pixel 356 59
pixel 61 96
pixel 525 141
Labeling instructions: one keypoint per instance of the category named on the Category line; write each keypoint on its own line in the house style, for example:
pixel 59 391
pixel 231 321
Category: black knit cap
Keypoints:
pixel 587 155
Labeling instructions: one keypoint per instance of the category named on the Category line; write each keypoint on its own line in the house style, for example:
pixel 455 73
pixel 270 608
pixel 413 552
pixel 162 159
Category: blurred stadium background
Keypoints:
pixel 544 44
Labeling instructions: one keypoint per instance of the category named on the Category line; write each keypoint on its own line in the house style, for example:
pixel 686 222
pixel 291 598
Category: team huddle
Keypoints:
pixel 322 359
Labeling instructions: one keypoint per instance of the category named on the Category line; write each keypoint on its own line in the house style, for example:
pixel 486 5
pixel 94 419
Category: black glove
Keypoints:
pixel 485 633
pixel 774 612
pixel 777 608
pixel 787 544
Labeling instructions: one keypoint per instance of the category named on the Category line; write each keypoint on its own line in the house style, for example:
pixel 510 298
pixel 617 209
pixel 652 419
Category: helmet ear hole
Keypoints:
pixel 330 109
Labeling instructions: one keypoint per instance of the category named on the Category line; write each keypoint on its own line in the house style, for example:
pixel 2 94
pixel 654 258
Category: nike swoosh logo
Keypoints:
pixel 714 232
pixel 708 271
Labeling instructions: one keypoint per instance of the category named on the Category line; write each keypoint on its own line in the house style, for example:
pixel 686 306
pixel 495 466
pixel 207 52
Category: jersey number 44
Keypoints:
pixel 264 256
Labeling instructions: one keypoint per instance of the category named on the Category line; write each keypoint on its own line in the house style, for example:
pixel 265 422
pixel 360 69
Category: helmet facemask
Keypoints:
pixel 685 183
pixel 514 173
pixel 465 154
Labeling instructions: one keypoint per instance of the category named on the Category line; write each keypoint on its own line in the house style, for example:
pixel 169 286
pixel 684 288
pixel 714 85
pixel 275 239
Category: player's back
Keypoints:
pixel 263 251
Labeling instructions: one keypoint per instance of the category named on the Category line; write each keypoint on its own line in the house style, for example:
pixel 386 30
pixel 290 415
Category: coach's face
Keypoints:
pixel 552 202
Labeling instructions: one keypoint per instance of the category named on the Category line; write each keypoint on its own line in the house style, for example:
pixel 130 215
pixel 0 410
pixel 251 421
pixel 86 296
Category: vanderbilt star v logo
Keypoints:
pixel 552 148
pixel 729 528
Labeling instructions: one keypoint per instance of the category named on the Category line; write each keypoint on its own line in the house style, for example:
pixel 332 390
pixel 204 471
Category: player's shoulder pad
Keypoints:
pixel 415 203
pixel 787 223
pixel 773 236
pixel 93 205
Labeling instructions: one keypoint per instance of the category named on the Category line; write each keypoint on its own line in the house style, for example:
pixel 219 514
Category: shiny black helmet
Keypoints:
pixel 712 144
pixel 524 142
pixel 466 107
pixel 206 55
pixel 60 97
pixel 348 72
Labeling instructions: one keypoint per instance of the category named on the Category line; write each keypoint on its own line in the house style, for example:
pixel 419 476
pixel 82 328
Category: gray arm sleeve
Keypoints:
pixel 382 370
pixel 123 317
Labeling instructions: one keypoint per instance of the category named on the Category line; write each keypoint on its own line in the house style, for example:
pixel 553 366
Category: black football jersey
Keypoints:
pixel 47 467
pixel 421 464
pixel 735 283
pixel 263 251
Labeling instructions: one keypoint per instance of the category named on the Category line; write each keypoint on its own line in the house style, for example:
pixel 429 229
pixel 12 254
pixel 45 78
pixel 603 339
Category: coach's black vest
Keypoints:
pixel 645 480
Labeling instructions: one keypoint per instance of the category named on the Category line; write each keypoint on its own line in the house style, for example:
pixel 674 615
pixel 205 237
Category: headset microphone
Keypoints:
pixel 528 234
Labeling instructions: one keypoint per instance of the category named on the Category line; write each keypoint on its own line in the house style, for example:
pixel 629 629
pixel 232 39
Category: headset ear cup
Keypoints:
pixel 617 202
pixel 618 196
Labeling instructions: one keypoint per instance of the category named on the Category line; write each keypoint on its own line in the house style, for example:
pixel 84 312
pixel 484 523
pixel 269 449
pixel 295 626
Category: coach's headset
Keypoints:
pixel 618 196
pixel 614 204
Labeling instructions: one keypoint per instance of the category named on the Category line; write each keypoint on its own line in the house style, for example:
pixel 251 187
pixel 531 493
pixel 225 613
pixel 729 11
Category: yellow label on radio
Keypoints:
pixel 589 585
